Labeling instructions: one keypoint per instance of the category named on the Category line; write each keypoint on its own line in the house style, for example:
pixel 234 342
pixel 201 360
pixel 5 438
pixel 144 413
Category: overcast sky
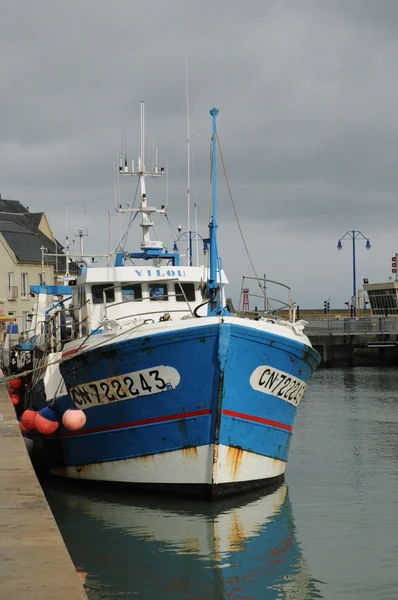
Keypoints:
pixel 308 98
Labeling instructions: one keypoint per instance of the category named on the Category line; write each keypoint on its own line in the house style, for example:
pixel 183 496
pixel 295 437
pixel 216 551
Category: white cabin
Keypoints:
pixel 129 292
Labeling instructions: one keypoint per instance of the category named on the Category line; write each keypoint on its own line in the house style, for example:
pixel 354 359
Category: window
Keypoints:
pixel 24 285
pixel 132 292
pixel 187 289
pixel 12 290
pixel 158 291
pixel 98 293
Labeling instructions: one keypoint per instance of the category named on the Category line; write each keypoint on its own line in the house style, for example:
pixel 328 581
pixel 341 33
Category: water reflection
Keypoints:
pixel 133 546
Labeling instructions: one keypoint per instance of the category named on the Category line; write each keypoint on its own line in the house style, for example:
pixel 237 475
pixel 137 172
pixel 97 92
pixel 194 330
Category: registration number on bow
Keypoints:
pixel 124 387
pixel 277 383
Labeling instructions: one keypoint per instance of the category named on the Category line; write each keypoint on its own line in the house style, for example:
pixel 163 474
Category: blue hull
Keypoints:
pixel 213 403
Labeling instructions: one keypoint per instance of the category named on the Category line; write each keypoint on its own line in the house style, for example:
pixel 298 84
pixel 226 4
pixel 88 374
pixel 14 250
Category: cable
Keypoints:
pixel 236 215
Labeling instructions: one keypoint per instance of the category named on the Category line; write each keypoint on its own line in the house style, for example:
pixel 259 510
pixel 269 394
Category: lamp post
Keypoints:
pixel 354 235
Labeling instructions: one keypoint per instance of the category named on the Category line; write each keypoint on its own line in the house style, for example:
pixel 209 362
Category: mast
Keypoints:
pixel 150 248
pixel 212 281
pixel 189 250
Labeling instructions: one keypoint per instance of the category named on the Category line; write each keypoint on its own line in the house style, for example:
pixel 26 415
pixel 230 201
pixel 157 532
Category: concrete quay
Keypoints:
pixel 34 562
pixel 349 342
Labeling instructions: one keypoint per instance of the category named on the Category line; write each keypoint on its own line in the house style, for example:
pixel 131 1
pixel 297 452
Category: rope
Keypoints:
pixel 236 214
pixel 173 232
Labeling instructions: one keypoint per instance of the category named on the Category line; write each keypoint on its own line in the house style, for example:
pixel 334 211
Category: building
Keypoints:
pixel 25 239
pixel 383 298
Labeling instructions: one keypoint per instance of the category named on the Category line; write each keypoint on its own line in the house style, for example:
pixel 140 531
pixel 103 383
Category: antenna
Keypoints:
pixel 142 136
pixel 115 180
pixel 81 234
pixel 153 151
pixel 189 257
pixel 109 233
pixel 167 183
pixel 196 236
pixel 67 274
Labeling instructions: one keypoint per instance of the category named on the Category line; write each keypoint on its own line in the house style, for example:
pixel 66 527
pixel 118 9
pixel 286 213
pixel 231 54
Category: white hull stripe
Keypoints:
pixel 187 466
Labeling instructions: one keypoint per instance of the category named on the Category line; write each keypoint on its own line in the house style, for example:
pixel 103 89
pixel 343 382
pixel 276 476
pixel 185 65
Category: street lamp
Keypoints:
pixel 354 235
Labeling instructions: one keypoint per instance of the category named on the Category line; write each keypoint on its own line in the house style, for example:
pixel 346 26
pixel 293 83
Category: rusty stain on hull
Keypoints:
pixel 234 459
pixel 145 457
pixel 190 452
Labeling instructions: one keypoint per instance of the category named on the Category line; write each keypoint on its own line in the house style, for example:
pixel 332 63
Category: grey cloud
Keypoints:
pixel 307 97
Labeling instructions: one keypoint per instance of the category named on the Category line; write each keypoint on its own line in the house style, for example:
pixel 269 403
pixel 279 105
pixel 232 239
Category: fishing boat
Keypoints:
pixel 177 393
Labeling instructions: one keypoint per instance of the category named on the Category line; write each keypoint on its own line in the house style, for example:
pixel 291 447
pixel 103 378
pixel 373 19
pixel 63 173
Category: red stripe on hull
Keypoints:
pixel 180 416
pixel 73 351
pixel 231 413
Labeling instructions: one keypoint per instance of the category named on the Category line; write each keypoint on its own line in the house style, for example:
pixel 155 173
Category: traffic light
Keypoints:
pixel 326 306
pixel 394 264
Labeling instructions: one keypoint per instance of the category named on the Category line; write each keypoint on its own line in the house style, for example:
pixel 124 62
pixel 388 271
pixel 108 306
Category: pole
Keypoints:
pixel 396 271
pixel 189 261
pixel 265 294
pixel 354 276
pixel 196 236
pixel 213 218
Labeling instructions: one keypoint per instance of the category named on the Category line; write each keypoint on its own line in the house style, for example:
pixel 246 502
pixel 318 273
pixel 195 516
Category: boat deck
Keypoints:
pixel 34 562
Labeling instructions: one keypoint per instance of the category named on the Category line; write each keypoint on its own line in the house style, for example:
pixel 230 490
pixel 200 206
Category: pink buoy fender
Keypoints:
pixel 28 418
pixel 47 421
pixel 74 419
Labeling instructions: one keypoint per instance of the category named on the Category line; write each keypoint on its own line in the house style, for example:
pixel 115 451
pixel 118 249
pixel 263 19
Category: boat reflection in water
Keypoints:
pixel 133 546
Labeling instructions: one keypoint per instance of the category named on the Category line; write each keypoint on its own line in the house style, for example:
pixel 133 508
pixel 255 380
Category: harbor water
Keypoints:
pixel 330 531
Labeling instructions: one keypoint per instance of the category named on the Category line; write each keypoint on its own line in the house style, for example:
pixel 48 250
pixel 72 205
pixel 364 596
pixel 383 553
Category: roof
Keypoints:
pixel 20 229
pixel 34 217
pixel 12 206
pixel 24 242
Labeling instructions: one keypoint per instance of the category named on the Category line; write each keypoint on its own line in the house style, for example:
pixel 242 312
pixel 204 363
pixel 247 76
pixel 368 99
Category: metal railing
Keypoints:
pixel 348 326
pixel 271 306
pixel 58 330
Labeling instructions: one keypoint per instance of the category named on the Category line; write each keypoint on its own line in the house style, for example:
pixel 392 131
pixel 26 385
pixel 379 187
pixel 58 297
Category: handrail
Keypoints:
pixel 262 279
pixel 268 299
pixel 153 312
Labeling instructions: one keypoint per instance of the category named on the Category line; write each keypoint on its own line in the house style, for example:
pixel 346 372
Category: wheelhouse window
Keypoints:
pixel 97 292
pixel 184 291
pixel 132 292
pixel 158 291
